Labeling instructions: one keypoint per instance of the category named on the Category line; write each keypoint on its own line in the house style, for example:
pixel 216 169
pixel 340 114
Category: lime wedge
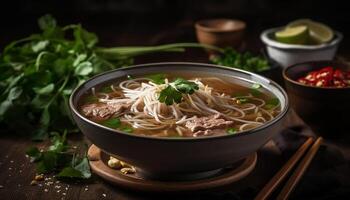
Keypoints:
pixel 293 35
pixel 319 33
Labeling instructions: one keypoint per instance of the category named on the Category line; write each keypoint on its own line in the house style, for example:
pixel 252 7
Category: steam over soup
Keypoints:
pixel 163 105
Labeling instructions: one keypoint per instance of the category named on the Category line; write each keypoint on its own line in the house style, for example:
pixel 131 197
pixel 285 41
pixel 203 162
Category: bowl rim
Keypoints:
pixel 264 36
pixel 287 78
pixel 199 25
pixel 282 114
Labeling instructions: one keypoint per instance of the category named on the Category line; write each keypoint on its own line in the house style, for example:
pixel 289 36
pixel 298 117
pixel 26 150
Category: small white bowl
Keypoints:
pixel 290 54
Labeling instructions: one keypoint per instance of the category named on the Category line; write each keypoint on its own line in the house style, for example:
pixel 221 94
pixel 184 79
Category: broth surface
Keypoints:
pixel 220 106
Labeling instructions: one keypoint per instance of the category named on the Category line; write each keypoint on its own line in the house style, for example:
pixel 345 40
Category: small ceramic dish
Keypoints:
pixel 325 109
pixel 290 54
pixel 220 32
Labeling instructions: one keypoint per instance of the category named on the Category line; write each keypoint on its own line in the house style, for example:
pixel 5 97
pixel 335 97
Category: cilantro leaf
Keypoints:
pixel 185 86
pixel 231 131
pixel 173 92
pixel 112 123
pixel 271 103
pixel 157 78
pixel 169 95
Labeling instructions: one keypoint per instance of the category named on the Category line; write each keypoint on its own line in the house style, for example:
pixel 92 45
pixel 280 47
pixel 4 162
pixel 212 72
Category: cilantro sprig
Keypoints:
pixel 38 73
pixel 246 61
pixel 173 92
pixel 61 159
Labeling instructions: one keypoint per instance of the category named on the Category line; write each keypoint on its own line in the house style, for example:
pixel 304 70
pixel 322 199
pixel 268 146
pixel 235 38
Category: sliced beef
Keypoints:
pixel 211 122
pixel 103 111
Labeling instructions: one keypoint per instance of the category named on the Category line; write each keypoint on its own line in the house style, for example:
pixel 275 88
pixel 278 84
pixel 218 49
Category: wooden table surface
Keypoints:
pixel 16 172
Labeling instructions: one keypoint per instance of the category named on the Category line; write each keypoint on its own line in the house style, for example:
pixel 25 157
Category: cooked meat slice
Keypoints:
pixel 103 110
pixel 216 121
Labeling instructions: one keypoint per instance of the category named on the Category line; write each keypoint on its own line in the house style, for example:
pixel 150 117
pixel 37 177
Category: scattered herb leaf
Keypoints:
pixel 59 159
pixel 127 129
pixel 246 61
pixel 271 103
pixel 157 78
pixel 112 123
pixel 231 131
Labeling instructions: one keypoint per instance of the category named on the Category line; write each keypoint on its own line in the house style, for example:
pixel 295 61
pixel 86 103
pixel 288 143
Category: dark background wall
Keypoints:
pixel 122 17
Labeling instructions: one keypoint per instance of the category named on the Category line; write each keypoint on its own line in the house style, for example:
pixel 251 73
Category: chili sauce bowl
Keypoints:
pixel 176 158
pixel 325 109
pixel 290 54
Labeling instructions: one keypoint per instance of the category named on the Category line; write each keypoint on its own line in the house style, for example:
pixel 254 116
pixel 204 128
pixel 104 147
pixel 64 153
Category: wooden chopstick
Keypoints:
pixel 284 171
pixel 300 170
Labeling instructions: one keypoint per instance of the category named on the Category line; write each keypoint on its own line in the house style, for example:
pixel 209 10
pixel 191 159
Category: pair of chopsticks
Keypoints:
pixel 297 174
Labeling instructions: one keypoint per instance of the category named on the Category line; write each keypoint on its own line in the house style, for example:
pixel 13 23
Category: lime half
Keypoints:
pixel 319 33
pixel 293 35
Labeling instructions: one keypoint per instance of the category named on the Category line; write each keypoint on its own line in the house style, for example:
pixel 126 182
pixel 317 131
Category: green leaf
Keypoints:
pixel 80 171
pixel 256 86
pixel 84 69
pixel 70 172
pixel 45 90
pixel 80 58
pixel 170 95
pixel 84 168
pixel 112 123
pixel 40 134
pixel 14 93
pixel 39 46
pixel 45 117
pixel 48 162
pixel 127 129
pixel 33 153
pixel 46 22
pixel 271 103
pixel 59 143
pixel 231 131
pixel 185 86
pixel 157 78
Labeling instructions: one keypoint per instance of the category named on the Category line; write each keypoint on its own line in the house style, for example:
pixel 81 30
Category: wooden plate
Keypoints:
pixel 98 163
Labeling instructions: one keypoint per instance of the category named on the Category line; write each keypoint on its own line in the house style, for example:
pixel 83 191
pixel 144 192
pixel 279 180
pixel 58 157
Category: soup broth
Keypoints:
pixel 163 105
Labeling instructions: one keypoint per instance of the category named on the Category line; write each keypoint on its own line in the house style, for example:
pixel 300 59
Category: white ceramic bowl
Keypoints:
pixel 290 54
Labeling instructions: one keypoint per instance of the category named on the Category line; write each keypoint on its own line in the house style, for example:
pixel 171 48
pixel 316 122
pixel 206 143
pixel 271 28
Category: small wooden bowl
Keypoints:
pixel 220 32
pixel 325 109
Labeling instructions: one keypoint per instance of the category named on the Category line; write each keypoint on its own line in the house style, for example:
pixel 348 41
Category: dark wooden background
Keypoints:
pixel 152 22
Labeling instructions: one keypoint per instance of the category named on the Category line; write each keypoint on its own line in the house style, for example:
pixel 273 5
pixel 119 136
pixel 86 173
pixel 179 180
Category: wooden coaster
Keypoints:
pixel 98 163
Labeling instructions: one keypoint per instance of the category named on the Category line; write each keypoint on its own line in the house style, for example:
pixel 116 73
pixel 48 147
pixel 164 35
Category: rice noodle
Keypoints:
pixel 146 112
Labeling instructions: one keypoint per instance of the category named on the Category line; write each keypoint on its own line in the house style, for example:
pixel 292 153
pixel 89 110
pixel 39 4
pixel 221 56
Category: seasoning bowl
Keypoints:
pixel 178 158
pixel 325 109
pixel 290 54
pixel 220 32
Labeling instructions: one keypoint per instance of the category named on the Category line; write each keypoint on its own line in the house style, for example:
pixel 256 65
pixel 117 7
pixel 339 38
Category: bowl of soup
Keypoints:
pixel 172 119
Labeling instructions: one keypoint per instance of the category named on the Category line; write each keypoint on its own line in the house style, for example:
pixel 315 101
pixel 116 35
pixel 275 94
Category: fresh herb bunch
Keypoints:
pixel 38 73
pixel 245 61
pixel 61 159
pixel 173 92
